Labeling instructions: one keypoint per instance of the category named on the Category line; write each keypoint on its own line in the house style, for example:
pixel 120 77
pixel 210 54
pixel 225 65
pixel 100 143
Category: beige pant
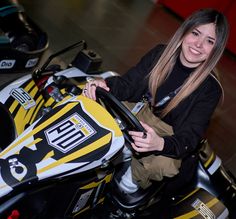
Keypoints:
pixel 153 167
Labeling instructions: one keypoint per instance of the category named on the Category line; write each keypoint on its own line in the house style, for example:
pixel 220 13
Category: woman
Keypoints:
pixel 182 89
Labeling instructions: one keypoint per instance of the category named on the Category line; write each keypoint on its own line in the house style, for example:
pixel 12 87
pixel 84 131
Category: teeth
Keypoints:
pixel 194 51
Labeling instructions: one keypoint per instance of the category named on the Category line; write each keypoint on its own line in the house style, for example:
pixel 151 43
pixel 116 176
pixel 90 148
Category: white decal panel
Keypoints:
pixel 203 209
pixel 83 199
pixel 69 133
pixel 23 98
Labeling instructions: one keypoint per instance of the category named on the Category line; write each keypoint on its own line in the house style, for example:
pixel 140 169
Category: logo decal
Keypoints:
pixel 31 62
pixel 69 133
pixel 18 170
pixel 23 98
pixel 203 209
pixel 83 199
pixel 7 63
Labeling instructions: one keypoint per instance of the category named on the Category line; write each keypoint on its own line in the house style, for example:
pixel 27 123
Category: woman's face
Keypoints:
pixel 197 45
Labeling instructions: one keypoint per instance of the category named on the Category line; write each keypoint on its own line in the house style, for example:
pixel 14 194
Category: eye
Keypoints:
pixel 211 42
pixel 195 33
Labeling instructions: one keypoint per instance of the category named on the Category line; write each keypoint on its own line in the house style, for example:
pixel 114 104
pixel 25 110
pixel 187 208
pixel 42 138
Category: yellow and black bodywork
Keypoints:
pixel 201 201
pixel 199 204
pixel 57 155
pixel 24 104
pixel 78 136
pixel 20 105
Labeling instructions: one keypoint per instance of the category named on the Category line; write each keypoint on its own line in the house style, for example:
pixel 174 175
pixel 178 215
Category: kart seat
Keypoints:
pixel 7 127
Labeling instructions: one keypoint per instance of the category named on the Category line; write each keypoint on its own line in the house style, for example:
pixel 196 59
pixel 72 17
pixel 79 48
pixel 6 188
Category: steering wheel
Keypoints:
pixel 126 120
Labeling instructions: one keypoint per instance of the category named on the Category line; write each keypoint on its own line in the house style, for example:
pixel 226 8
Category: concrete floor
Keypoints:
pixel 121 32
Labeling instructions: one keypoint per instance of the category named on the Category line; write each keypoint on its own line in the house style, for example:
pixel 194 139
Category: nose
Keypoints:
pixel 199 42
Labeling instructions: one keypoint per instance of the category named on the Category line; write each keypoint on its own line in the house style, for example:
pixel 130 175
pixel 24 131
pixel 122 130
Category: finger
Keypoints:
pixel 93 85
pixel 149 129
pixel 106 88
pixel 102 83
pixel 146 126
pixel 141 144
pixel 140 141
pixel 92 90
pixel 84 93
pixel 136 134
pixel 139 148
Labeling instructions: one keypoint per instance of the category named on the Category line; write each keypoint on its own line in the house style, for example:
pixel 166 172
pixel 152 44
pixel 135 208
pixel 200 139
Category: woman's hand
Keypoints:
pixel 146 141
pixel 90 88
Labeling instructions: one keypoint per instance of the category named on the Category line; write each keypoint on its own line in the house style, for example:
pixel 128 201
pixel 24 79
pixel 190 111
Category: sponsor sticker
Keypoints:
pixel 83 199
pixel 23 98
pixel 17 169
pixel 203 209
pixel 31 62
pixel 69 133
pixel 7 63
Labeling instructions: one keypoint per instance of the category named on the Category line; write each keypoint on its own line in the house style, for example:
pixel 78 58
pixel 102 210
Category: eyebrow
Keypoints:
pixel 212 38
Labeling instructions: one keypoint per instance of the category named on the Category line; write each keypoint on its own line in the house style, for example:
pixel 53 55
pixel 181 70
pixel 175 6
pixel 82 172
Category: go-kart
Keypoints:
pixel 22 41
pixel 61 154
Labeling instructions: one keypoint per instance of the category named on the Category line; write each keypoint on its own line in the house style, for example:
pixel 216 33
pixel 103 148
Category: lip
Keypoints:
pixel 194 51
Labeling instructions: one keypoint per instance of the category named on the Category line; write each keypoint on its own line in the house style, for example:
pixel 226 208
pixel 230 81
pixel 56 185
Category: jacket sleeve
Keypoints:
pixel 132 85
pixel 190 123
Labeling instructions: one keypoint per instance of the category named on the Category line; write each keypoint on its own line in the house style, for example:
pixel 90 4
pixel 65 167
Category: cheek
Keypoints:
pixel 184 43
pixel 188 39
pixel 184 48
pixel 208 50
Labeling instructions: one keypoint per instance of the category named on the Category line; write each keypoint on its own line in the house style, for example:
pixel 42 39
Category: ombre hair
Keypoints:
pixel 165 64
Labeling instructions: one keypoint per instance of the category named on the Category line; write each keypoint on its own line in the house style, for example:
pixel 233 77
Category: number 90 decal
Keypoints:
pixel 23 98
pixel 69 133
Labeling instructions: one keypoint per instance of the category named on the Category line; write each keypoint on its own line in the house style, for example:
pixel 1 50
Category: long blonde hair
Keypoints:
pixel 167 60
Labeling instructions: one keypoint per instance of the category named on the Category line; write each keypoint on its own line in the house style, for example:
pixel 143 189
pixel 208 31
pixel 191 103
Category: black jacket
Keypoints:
pixel 189 119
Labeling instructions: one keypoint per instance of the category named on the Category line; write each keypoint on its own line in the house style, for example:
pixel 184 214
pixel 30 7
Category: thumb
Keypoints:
pixel 145 126
pixel 106 88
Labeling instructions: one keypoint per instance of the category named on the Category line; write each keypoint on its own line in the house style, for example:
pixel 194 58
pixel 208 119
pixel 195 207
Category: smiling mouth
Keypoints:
pixel 194 51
